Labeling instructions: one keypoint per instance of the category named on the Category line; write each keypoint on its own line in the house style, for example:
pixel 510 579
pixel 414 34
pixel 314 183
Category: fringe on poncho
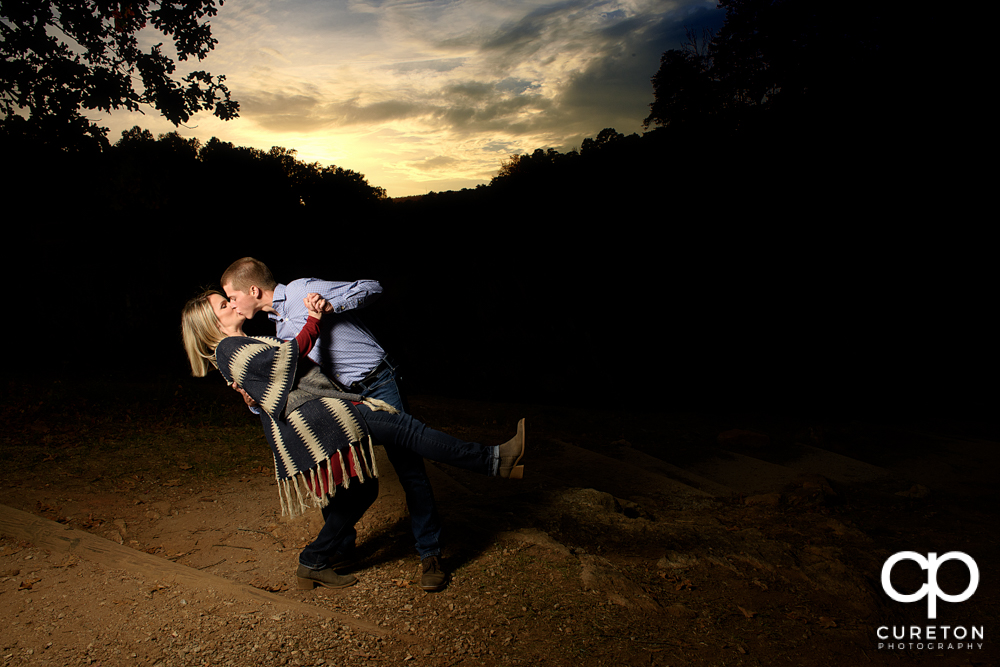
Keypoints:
pixel 318 438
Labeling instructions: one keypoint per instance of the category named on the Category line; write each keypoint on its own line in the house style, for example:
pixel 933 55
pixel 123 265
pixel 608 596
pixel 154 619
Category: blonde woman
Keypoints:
pixel 206 320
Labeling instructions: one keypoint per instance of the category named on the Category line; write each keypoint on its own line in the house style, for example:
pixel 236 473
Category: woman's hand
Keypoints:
pixel 246 397
pixel 316 305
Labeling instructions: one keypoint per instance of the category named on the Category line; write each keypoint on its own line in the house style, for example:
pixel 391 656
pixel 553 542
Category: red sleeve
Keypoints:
pixel 307 337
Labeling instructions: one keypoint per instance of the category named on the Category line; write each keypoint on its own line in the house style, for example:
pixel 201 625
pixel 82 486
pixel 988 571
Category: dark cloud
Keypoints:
pixel 484 107
pixel 297 112
pixel 435 163
pixel 351 113
pixel 524 36
pixel 280 112
pixel 628 28
pixel 437 65
pixel 670 32
pixel 516 86
pixel 475 90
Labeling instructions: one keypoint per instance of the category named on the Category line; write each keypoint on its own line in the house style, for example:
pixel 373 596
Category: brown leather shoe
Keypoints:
pixel 309 579
pixel 433 576
pixel 511 453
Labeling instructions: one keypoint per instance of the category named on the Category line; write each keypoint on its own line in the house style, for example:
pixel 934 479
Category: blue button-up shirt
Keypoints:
pixel 346 350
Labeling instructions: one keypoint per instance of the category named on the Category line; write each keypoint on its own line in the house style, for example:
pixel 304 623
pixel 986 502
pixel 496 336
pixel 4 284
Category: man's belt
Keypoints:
pixel 362 384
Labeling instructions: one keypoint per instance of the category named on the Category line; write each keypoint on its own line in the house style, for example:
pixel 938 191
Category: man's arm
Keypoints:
pixel 342 296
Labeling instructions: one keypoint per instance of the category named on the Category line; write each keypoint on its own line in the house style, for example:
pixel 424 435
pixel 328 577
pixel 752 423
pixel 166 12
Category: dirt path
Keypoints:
pixel 590 560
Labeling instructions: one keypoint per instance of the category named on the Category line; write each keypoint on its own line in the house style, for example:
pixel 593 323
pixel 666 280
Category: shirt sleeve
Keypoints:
pixel 341 295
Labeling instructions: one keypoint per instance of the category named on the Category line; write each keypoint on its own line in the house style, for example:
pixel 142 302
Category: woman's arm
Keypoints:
pixel 307 337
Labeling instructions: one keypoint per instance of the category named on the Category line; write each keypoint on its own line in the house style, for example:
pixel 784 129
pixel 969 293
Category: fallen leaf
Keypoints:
pixel 265 586
pixel 748 614
pixel 69 561
pixel 28 583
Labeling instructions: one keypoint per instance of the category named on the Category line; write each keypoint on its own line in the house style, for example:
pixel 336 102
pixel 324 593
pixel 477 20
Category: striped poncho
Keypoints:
pixel 319 442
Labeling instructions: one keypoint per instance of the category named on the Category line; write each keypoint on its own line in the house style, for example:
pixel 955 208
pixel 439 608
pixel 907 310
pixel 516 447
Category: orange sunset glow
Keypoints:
pixel 431 96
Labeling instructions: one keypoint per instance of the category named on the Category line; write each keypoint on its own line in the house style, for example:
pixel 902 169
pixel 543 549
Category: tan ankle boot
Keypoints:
pixel 307 579
pixel 511 453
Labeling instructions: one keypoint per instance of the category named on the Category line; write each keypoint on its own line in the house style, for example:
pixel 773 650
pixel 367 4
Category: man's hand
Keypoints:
pixel 316 305
pixel 246 397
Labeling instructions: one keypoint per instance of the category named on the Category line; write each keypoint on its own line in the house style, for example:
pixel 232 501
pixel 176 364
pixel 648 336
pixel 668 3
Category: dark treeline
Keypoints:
pixel 754 246
pixel 169 175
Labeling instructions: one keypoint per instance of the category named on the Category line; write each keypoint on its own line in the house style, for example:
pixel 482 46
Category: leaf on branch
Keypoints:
pixel 63 58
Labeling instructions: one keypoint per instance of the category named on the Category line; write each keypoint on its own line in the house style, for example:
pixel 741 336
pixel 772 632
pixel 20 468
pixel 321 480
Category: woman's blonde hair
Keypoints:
pixel 201 332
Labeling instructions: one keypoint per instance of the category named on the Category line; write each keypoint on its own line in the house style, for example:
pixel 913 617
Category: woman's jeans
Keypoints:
pixel 402 431
pixel 346 508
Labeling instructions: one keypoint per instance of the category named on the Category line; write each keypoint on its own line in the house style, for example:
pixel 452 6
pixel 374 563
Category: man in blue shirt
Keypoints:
pixel 348 353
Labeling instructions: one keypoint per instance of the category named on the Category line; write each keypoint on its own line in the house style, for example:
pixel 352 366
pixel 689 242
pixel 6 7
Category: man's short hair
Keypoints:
pixel 248 271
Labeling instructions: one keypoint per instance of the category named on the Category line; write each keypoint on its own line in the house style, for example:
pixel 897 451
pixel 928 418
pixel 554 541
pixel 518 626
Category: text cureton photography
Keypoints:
pixel 930 637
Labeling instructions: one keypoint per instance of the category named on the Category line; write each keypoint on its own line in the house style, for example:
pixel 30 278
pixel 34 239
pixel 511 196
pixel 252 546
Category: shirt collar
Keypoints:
pixel 278 303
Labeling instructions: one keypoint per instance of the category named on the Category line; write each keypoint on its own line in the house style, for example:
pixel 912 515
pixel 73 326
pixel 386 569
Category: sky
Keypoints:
pixel 424 96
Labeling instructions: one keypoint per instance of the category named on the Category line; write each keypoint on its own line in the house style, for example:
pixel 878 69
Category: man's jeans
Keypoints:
pixel 424 520
pixel 338 534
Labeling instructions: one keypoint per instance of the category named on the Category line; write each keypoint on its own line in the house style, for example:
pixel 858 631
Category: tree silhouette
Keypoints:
pixel 802 60
pixel 62 58
pixel 605 138
pixel 684 89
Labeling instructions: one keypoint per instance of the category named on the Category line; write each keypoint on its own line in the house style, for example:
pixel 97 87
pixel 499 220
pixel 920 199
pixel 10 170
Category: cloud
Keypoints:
pixel 437 163
pixel 274 53
pixel 437 65
pixel 407 91
pixel 282 112
pixel 475 90
pixel 379 112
